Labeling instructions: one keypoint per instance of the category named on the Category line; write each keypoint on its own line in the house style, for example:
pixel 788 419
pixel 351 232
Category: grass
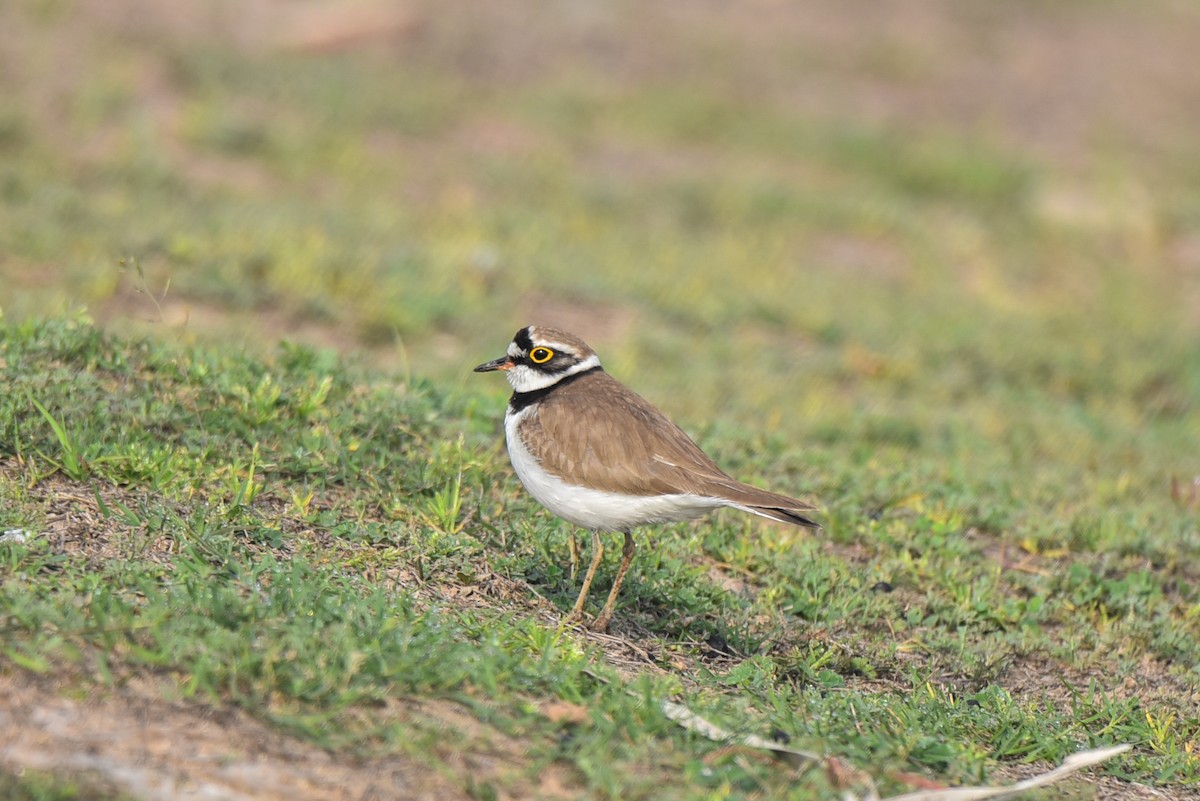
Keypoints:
pixel 980 356
pixel 282 524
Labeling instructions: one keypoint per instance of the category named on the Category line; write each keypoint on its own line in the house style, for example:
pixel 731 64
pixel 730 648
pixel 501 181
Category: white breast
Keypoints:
pixel 591 508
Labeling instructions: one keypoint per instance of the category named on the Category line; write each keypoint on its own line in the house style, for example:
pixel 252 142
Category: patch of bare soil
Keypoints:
pixel 1038 675
pixel 153 749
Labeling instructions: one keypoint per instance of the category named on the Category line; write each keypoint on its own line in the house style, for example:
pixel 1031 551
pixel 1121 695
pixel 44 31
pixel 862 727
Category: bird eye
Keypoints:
pixel 540 355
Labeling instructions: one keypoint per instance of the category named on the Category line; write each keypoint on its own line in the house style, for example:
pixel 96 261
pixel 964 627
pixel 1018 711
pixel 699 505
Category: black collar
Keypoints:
pixel 522 400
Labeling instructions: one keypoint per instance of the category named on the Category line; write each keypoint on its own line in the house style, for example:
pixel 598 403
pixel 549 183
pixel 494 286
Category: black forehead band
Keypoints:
pixel 523 341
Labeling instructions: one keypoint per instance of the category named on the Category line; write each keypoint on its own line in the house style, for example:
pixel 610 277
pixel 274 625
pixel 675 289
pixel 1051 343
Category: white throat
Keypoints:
pixel 527 379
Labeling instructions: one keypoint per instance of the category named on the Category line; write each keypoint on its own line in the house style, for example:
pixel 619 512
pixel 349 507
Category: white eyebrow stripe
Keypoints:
pixel 586 364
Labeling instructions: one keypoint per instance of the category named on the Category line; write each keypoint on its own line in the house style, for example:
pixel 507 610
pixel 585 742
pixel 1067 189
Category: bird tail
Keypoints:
pixel 782 514
pixel 769 504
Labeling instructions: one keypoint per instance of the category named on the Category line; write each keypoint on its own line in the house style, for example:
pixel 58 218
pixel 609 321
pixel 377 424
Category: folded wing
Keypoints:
pixel 601 434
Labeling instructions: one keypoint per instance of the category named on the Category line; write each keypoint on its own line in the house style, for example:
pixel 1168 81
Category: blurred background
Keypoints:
pixel 957 228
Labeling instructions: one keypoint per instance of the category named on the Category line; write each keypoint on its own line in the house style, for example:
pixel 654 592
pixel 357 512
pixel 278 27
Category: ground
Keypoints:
pixel 935 265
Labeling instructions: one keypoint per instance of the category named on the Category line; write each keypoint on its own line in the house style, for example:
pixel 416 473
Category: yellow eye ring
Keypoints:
pixel 540 355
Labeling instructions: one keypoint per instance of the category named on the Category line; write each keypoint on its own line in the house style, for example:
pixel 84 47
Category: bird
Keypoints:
pixel 604 458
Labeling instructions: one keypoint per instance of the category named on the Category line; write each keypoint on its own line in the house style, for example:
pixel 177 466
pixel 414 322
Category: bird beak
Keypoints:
pixel 503 363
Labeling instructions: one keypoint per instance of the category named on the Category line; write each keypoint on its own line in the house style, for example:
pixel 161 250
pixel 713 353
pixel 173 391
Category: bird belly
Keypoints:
pixel 598 509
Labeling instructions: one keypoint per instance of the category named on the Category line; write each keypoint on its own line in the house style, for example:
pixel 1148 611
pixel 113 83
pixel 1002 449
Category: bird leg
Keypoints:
pixel 573 550
pixel 597 555
pixel 601 621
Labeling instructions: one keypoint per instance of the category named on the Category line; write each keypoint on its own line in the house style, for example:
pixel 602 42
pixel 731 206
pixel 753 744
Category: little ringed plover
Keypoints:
pixel 600 456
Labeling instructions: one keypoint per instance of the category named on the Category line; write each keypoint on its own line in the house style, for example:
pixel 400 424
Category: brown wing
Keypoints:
pixel 598 432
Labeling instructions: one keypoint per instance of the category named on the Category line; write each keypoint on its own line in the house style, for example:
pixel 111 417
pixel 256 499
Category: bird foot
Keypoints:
pixel 600 624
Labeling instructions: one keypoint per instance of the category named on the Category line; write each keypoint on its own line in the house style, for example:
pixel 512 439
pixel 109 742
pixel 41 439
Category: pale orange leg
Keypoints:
pixel 601 622
pixel 597 555
pixel 573 550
